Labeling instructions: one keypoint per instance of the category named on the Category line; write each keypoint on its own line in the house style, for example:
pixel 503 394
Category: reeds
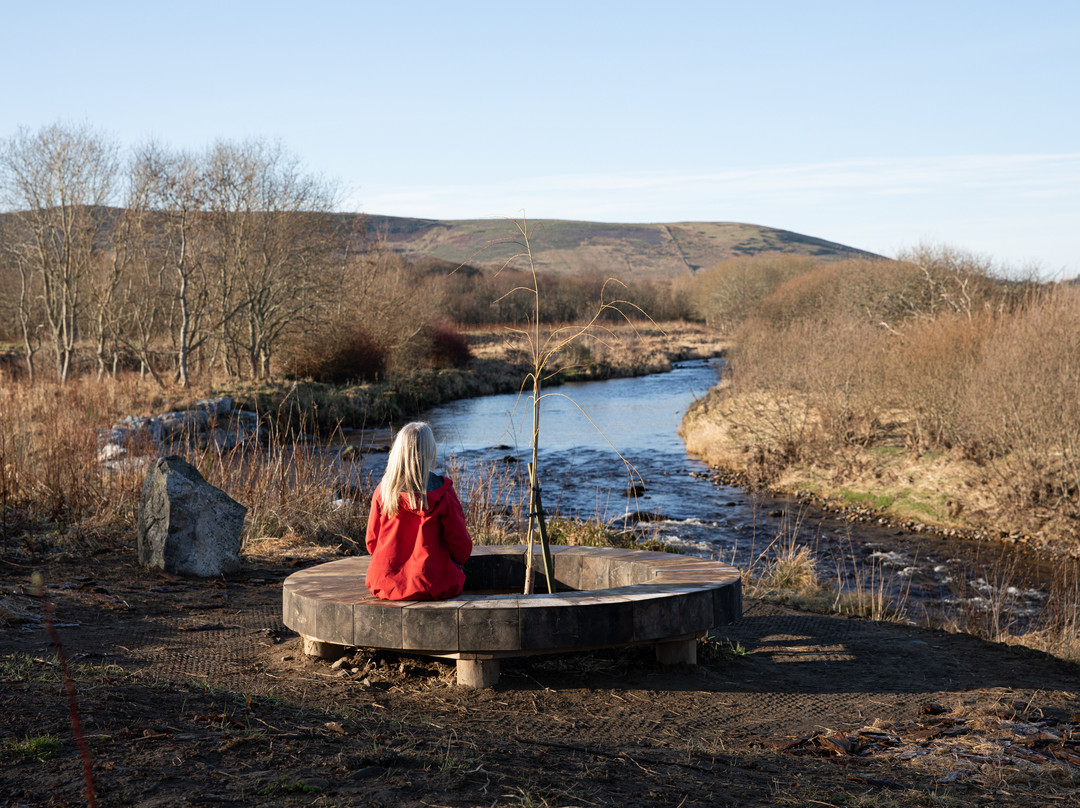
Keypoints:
pixel 52 482
pixel 494 498
pixel 792 571
pixel 991 598
pixel 841 363
pixel 868 589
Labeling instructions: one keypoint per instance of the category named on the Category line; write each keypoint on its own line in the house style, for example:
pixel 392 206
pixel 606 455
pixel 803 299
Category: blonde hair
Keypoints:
pixel 412 458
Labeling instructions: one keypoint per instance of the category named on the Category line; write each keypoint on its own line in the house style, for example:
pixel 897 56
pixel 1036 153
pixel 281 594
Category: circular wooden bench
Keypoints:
pixel 607 597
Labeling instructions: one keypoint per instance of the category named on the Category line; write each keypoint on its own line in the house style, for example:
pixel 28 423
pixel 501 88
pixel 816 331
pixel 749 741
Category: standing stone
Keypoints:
pixel 186 525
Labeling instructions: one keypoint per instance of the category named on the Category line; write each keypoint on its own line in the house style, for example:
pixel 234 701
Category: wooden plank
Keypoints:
pixel 568 569
pixel 657 618
pixel 334 622
pixel 377 624
pixel 298 612
pixel 490 625
pixel 727 604
pixel 430 626
pixel 595 571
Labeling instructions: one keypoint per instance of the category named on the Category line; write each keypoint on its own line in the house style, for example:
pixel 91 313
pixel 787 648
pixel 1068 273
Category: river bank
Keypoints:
pixel 942 492
pixel 499 364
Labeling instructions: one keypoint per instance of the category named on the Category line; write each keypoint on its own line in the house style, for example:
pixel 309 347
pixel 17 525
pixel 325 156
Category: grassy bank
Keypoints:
pixel 53 486
pixel 936 489
pixel 931 393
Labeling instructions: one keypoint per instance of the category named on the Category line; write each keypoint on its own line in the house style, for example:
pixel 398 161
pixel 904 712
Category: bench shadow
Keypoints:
pixel 809 653
pixel 801 653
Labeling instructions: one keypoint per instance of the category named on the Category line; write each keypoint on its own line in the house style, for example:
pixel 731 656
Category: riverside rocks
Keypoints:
pixel 209 423
pixel 187 526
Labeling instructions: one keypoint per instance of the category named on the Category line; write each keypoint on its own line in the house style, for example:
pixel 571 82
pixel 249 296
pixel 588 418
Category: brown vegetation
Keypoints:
pixel 230 262
pixel 931 388
pixel 52 483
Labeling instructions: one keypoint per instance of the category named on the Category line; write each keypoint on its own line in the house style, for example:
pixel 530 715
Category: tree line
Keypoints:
pixel 231 260
pixel 171 258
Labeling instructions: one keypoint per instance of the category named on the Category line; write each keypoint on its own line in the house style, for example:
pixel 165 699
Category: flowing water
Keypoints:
pixel 611 450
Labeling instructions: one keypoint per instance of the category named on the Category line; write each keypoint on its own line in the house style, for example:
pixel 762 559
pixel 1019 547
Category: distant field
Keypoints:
pixel 620 250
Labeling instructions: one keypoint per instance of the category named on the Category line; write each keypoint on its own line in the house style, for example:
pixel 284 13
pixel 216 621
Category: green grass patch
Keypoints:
pixel 865 499
pixel 38 747
pixel 21 667
pixel 710 650
pixel 886 451
pixel 929 509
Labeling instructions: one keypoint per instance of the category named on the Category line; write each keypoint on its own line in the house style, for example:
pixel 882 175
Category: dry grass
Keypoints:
pixel 53 484
pixel 618 349
pixel 960 407
pixel 869 590
pixel 50 480
pixel 494 498
pixel 793 573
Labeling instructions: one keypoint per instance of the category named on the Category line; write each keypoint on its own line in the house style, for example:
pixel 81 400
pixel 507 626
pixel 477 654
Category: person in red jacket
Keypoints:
pixel 416 530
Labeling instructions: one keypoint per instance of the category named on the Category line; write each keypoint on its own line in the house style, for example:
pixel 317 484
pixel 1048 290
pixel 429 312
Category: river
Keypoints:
pixel 599 440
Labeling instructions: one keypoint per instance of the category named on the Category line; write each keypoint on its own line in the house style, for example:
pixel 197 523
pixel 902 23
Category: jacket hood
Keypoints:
pixel 434 498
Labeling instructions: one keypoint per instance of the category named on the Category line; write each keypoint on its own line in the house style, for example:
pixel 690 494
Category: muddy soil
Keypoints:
pixel 194 693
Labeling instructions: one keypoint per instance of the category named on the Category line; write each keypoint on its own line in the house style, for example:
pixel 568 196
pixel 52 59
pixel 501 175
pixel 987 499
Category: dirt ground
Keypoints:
pixel 194 693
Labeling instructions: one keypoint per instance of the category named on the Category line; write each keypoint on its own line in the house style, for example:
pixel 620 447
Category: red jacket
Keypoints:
pixel 415 555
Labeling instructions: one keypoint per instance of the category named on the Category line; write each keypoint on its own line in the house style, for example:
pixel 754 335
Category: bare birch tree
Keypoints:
pixel 178 196
pixel 273 248
pixel 55 182
pixel 21 294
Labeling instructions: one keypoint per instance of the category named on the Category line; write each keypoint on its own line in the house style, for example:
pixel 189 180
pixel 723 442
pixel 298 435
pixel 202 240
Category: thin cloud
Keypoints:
pixel 655 196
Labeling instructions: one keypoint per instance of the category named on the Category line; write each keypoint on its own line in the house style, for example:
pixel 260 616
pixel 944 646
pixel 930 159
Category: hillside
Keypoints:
pixel 619 250
pixel 563 246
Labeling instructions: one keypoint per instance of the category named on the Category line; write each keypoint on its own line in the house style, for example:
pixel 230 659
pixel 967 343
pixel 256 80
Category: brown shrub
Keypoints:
pixel 49 472
pixel 930 369
pixel 1023 404
pixel 832 367
pixel 726 294
pixel 449 347
pixel 872 291
pixel 351 354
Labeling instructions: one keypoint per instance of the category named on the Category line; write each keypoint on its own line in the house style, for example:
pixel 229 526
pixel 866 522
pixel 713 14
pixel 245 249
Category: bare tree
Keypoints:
pixel 20 293
pixel 135 309
pixel 178 194
pixel 56 182
pixel 274 246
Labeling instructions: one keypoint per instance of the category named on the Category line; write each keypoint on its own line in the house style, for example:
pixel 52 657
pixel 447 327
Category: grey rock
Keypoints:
pixel 222 405
pixel 110 452
pixel 136 427
pixel 187 526
pixel 183 423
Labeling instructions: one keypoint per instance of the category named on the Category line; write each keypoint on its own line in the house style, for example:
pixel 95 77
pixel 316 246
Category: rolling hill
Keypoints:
pixel 617 250
pixel 563 246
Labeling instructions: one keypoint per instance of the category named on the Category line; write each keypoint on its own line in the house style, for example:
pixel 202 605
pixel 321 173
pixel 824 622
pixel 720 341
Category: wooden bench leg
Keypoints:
pixel 323 650
pixel 477 673
pixel 679 652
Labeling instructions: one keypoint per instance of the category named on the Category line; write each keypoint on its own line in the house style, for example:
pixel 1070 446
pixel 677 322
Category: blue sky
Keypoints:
pixel 877 124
